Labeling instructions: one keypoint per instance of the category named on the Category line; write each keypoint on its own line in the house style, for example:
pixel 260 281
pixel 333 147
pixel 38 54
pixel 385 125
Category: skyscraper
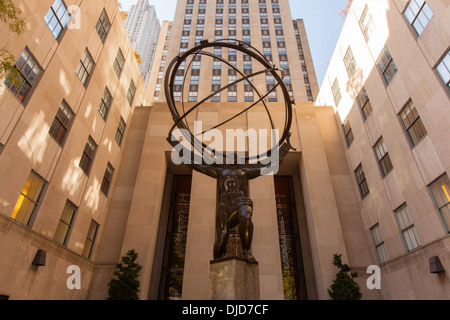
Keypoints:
pixel 143 28
pixel 62 136
pixel 266 26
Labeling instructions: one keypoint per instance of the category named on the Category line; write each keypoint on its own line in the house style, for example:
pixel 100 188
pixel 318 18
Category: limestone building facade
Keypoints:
pixel 388 82
pixel 62 133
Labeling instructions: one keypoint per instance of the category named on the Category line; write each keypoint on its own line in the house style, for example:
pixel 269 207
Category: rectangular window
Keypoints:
pixel 119 62
pixel 364 103
pixel 350 62
pixel 362 182
pixel 348 133
pixel 120 131
pixel 380 247
pixel 407 228
pixel 383 157
pixel 440 191
pixel 29 200
pixel 131 92
pixel 412 123
pixel 90 239
pixel 366 23
pixel 418 14
pixel 387 66
pixel 65 224
pixel 84 70
pixel 57 18
pixel 88 155
pixel 27 73
pixel 103 26
pixel 105 103
pixel 443 69
pixel 62 122
pixel 107 179
pixel 336 92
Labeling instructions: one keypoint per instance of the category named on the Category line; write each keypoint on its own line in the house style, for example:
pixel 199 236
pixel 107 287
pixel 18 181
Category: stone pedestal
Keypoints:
pixel 233 279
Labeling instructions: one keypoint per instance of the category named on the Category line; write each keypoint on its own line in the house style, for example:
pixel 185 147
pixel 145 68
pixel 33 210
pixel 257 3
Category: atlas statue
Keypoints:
pixel 235 208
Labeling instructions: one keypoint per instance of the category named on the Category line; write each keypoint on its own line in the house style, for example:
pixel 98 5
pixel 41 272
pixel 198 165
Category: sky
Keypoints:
pixel 322 20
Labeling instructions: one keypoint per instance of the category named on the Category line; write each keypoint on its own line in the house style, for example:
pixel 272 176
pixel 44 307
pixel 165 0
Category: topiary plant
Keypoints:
pixel 125 285
pixel 344 286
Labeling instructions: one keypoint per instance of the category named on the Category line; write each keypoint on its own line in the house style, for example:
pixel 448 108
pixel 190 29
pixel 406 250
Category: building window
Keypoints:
pixel 57 18
pixel 90 239
pixel 61 123
pixel 366 23
pixel 65 224
pixel 384 160
pixel 29 199
pixel 362 182
pixel 131 92
pixel 120 131
pixel 443 69
pixel 107 179
pixel 348 133
pixel 336 90
pixel 407 228
pixel 412 123
pixel 88 155
pixel 380 247
pixel 103 26
pixel 364 103
pixel 119 62
pixel 387 66
pixel 350 62
pixel 105 103
pixel 418 14
pixel 27 73
pixel 440 191
pixel 85 68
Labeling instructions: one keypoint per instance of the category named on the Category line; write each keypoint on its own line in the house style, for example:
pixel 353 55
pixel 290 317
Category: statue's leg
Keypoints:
pixel 220 247
pixel 246 230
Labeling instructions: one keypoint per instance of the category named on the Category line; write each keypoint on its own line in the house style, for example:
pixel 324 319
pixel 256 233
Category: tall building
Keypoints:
pixel 388 82
pixel 143 28
pixel 213 21
pixel 62 133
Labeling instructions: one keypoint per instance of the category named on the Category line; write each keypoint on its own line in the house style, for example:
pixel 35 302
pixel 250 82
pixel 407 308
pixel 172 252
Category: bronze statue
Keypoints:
pixel 235 209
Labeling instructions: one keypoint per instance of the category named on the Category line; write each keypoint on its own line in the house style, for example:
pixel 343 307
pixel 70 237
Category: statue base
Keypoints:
pixel 234 279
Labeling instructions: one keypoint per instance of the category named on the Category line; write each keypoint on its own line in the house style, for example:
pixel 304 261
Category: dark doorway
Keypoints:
pixel 171 285
pixel 294 283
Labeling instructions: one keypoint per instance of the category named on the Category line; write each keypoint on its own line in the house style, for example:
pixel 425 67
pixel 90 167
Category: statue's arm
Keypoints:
pixel 210 171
